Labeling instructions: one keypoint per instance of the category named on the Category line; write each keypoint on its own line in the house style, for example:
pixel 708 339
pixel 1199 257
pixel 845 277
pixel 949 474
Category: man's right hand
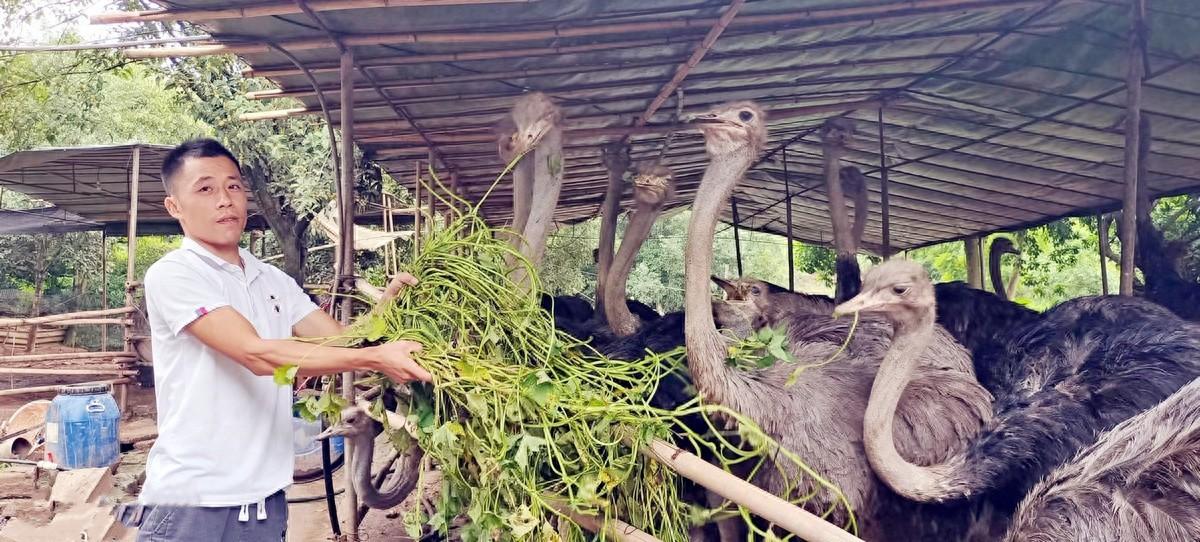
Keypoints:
pixel 395 360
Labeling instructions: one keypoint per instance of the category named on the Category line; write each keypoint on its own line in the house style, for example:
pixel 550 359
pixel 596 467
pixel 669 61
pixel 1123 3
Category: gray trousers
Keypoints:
pixel 224 524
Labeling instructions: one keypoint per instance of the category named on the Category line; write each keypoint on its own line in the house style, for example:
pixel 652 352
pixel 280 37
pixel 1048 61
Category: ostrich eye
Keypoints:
pixel 755 290
pixel 746 116
pixel 899 290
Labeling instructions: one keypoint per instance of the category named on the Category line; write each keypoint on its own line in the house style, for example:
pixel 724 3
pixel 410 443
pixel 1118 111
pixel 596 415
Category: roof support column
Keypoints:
pixel 974 262
pixel 737 239
pixel 787 193
pixel 346 255
pixel 135 174
pixel 885 209
pixel 1133 126
pixel 103 286
pixel 1102 232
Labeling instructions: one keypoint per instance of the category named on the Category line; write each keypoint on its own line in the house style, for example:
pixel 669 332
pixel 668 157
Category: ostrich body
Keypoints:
pixel 616 161
pixel 1139 481
pixel 819 417
pixel 1163 285
pixel 1076 371
pixel 652 187
pixel 358 426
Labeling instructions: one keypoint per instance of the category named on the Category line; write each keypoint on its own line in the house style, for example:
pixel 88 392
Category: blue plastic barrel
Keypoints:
pixel 82 427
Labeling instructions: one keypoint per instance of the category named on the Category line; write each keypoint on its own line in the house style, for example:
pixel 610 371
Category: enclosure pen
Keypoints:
pixel 531 428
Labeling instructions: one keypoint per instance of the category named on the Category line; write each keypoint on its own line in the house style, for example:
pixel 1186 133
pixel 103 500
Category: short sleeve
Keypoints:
pixel 178 295
pixel 299 305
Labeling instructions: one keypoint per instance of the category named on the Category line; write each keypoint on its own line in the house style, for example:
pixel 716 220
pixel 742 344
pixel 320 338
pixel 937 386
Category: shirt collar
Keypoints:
pixel 253 266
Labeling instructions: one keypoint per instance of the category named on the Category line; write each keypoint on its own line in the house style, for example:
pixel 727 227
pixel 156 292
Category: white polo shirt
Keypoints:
pixel 224 434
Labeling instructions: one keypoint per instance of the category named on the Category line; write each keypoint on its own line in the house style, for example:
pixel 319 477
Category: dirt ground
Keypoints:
pixel 309 521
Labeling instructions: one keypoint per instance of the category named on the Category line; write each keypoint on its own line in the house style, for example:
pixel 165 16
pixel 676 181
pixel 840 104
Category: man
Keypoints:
pixel 221 323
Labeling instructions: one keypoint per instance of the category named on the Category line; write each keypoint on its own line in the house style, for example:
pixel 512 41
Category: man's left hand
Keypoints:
pixel 398 282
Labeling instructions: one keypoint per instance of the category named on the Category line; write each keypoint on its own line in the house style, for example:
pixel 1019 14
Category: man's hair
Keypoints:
pixel 196 148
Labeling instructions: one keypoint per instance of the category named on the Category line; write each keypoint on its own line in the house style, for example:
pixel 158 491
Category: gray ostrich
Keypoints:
pixel 539 127
pixel 1074 372
pixel 820 416
pixel 358 426
pixel 653 185
pixel 1137 482
pixel 616 162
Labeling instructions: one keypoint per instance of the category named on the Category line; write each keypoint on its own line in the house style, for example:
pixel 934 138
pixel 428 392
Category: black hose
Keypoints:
pixel 311 498
pixel 327 472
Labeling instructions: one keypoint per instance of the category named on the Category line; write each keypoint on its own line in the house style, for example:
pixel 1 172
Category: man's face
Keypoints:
pixel 209 200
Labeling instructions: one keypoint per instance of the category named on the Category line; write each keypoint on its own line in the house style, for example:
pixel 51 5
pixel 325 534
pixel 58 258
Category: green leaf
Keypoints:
pixel 529 445
pixel 522 522
pixel 378 329
pixel 285 374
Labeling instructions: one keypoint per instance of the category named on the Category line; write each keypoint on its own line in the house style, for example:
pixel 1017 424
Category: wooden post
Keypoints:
pixel 1133 127
pixel 453 199
pixel 974 262
pixel 787 194
pixel 737 240
pixel 346 255
pixel 885 209
pixel 135 175
pixel 103 285
pixel 1102 232
pixel 432 188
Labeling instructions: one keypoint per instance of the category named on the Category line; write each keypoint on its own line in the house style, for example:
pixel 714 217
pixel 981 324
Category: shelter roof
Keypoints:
pixel 998 114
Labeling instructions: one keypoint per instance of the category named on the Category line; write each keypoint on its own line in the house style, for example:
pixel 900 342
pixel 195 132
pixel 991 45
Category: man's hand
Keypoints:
pixel 394 359
pixel 398 282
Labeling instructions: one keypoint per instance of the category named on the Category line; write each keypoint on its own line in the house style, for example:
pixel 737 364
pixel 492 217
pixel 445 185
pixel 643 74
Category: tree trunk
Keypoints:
pixel 974 260
pixel 289 229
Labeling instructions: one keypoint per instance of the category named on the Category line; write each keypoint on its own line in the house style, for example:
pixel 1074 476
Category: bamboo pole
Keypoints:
pixel 787 194
pixel 103 285
pixel 135 177
pixel 18 322
pixel 417 204
pixel 346 253
pixel 68 356
pixel 92 321
pixel 771 508
pixel 1133 132
pixel 810 18
pixel 885 210
pixel 66 372
pixel 688 65
pixel 270 9
pixel 40 389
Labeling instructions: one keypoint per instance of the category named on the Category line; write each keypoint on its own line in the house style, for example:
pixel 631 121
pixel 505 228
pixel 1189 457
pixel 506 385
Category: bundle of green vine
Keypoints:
pixel 527 424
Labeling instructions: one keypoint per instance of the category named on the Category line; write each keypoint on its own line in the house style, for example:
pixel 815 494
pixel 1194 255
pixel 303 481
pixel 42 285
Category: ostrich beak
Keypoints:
pixel 526 140
pixel 725 285
pixel 863 302
pixel 705 118
pixel 332 431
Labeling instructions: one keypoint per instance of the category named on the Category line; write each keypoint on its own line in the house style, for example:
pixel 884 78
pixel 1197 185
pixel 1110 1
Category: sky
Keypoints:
pixel 49 23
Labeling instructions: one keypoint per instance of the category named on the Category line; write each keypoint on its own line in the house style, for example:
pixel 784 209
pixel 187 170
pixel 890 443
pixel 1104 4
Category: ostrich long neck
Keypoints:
pixel 547 182
pixel 522 193
pixel 404 479
pixel 905 478
pixel 848 281
pixel 609 211
pixel 998 285
pixel 620 320
pixel 706 348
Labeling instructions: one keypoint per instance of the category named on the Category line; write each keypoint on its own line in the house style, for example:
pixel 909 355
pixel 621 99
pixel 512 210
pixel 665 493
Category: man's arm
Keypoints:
pixel 228 332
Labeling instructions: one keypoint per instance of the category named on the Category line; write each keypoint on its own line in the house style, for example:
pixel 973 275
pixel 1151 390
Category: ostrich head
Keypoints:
pixel 533 115
pixel 355 422
pixel 766 304
pixel 505 130
pixel 1004 245
pixel 732 127
pixel 653 185
pixel 837 132
pixel 899 289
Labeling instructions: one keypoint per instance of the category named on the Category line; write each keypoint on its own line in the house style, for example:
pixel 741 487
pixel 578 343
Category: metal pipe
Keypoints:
pixel 787 194
pixel 1133 129
pixel 884 205
pixel 737 240
pixel 346 253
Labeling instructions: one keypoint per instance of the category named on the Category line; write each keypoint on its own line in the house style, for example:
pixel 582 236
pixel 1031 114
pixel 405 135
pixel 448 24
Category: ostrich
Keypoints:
pixel 616 161
pixel 1078 370
pixel 538 127
pixel 358 426
pixel 835 134
pixel 820 416
pixel 1137 482
pixel 652 187
pixel 1000 246
pixel 512 146
pixel 1156 258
